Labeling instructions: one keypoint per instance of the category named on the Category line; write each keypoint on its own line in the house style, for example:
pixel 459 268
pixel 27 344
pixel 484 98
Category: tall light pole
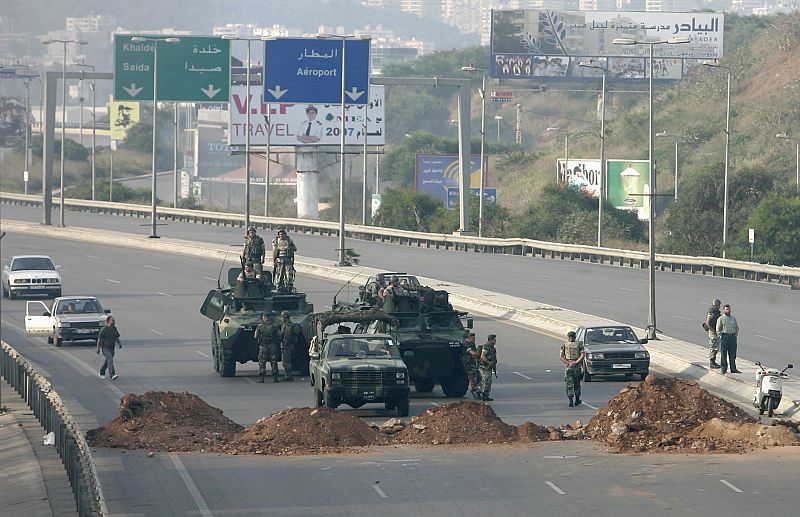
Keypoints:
pixel 566 146
pixel 664 134
pixel 651 317
pixel 153 198
pixel 602 150
pixel 785 136
pixel 63 42
pixel 518 125
pixel 268 120
pixel 92 87
pixel 482 92
pixel 498 118
pixel 27 75
pixel 714 64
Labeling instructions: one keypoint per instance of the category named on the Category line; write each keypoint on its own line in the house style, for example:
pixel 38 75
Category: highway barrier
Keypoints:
pixel 51 412
pixel 712 266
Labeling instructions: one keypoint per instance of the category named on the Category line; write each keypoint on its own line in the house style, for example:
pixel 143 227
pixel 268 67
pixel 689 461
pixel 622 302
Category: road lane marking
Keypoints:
pixel 791 321
pixel 601 300
pixel 472 265
pixel 164 294
pixel 547 276
pixel 209 278
pixel 113 281
pixel 703 303
pixel 434 403
pixel 151 267
pixel 380 492
pixel 523 376
pixel 588 405
pixel 681 317
pixel 628 289
pixel 202 353
pixel 730 485
pixel 154 331
pixel 189 482
pixel 92 256
pixel 248 379
pixel 564 457
pixel 554 487
pixel 766 337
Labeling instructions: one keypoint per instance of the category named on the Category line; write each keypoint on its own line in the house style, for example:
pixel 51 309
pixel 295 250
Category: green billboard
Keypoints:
pixel 629 185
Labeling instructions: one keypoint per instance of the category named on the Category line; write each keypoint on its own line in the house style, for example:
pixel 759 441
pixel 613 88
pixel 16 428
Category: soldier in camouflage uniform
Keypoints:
pixel 254 251
pixel 268 341
pixel 572 354
pixel 283 249
pixel 487 362
pixel 289 336
pixel 469 357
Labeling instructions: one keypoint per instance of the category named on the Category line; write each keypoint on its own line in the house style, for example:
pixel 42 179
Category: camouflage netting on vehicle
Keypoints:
pixel 351 316
pixel 676 415
pixel 165 421
pixel 305 431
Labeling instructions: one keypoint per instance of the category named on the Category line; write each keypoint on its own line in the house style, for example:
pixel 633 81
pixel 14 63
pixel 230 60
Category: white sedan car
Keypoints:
pixel 31 274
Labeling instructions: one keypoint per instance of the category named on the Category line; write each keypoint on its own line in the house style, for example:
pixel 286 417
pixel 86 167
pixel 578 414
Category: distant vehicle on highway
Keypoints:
pixel 613 350
pixel 70 318
pixel 31 274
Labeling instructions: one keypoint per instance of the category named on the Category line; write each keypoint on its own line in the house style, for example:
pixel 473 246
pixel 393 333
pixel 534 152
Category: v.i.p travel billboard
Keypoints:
pixel 549 44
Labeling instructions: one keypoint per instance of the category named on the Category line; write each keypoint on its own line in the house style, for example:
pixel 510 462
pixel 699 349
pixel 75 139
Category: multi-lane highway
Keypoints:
pixel 156 298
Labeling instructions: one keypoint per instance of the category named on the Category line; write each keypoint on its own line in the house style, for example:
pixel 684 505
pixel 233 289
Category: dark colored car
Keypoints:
pixel 613 350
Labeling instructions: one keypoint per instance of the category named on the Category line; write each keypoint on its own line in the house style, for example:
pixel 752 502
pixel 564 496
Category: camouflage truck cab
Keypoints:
pixel 235 312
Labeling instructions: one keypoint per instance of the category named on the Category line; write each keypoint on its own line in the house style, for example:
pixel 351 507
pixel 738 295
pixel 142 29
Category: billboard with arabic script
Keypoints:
pixel 548 44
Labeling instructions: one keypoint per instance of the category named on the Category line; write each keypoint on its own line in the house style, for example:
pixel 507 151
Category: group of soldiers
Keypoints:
pixel 480 362
pixel 283 250
pixel 276 342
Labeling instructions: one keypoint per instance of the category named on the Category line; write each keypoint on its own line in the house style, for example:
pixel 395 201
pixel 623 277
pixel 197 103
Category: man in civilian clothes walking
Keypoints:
pixel 106 339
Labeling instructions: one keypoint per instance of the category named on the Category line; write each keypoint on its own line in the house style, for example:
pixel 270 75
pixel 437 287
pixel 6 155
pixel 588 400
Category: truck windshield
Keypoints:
pixel 380 348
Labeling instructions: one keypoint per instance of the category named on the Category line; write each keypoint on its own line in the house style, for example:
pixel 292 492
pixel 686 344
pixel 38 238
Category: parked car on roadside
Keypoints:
pixel 29 275
pixel 613 350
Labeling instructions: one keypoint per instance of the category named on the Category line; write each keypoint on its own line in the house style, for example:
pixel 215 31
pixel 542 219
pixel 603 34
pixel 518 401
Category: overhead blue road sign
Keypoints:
pixel 309 70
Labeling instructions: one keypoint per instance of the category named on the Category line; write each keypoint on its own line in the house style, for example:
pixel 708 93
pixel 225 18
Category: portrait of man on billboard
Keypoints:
pixel 310 131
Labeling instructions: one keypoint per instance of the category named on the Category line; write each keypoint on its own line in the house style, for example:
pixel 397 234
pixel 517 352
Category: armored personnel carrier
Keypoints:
pixel 430 334
pixel 235 312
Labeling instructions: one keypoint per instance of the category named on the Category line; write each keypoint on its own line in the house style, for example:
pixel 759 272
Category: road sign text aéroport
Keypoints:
pixel 195 69
pixel 309 70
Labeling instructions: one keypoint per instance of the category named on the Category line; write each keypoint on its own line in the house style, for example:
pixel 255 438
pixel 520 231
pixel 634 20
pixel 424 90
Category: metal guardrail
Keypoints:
pixel 50 411
pixel 712 266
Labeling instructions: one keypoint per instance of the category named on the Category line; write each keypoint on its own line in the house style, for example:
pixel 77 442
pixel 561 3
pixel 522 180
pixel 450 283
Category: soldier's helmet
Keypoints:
pixel 281 231
pixel 393 279
pixel 571 334
pixel 264 315
pixel 251 229
pixel 716 301
pixel 284 314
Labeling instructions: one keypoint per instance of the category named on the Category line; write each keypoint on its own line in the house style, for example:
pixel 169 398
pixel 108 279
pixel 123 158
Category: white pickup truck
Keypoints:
pixel 70 318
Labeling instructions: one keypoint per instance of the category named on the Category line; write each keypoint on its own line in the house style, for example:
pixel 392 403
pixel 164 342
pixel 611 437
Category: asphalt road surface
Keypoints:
pixel 155 298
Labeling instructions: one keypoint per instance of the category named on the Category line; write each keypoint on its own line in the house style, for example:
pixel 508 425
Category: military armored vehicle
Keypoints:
pixel 235 312
pixel 430 334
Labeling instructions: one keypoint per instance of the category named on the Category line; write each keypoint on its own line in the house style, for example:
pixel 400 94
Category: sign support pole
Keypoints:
pixel 343 130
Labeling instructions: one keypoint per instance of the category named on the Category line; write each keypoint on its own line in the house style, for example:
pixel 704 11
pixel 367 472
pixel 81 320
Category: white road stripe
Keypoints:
pixel 92 256
pixel 380 492
pixel 681 317
pixel 791 321
pixel 189 482
pixel 248 379
pixel 523 376
pixel 547 276
pixel 564 457
pixel 703 303
pixel 554 487
pixel 766 337
pixel 209 278
pixel 202 353
pixel 114 281
pixel 434 403
pixel 627 289
pixel 164 294
pixel 154 331
pixel 730 485
pixel 472 265
pixel 588 405
pixel 289 407
pixel 151 267
pixel 601 300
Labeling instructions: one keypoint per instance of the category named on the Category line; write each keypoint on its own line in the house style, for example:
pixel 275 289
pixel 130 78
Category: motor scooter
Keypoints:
pixel 769 388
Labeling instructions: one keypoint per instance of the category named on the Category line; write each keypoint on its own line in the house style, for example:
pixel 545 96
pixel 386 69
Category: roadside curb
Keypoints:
pixel 686 358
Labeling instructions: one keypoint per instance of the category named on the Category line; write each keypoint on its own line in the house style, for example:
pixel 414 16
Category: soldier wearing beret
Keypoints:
pixel 572 354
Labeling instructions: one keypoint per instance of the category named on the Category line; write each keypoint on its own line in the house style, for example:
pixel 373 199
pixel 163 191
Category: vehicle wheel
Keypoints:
pixel 628 375
pixel 318 399
pixel 403 406
pixel 301 360
pixel 423 386
pixel 12 295
pixel 770 407
pixel 327 399
pixel 390 405
pixel 457 385
pixel 644 375
pixel 587 377
pixel 227 363
pixel 58 341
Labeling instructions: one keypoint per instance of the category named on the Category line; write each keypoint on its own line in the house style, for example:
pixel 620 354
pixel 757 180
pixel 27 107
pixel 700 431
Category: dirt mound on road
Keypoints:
pixel 466 422
pixel 746 434
pixel 304 431
pixel 664 415
pixel 165 421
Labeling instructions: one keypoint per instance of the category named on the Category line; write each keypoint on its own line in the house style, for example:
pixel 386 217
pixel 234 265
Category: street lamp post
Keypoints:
pixel 498 118
pixel 651 318
pixel 714 64
pixel 153 198
pixel 64 42
pixel 27 76
pixel 602 151
pixel 471 68
pixel 92 87
pixel 785 136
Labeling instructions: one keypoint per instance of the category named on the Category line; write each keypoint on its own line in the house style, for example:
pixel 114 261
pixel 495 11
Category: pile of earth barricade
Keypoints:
pixel 675 415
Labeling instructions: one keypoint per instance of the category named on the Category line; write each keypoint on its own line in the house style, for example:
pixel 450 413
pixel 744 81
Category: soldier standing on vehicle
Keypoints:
pixel 470 359
pixel 572 354
pixel 268 341
pixel 390 294
pixel 254 251
pixel 487 363
pixel 711 327
pixel 283 249
pixel 289 334
pixel 374 288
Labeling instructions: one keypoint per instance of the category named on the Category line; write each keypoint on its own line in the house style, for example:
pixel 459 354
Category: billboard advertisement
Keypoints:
pixel 305 124
pixel 583 174
pixel 489 196
pixel 629 185
pixel 12 121
pixel 434 173
pixel 549 44
pixel 122 115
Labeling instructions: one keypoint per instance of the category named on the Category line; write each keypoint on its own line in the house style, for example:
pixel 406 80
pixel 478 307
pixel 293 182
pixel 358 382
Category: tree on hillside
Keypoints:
pixel 776 221
pixel 407 210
